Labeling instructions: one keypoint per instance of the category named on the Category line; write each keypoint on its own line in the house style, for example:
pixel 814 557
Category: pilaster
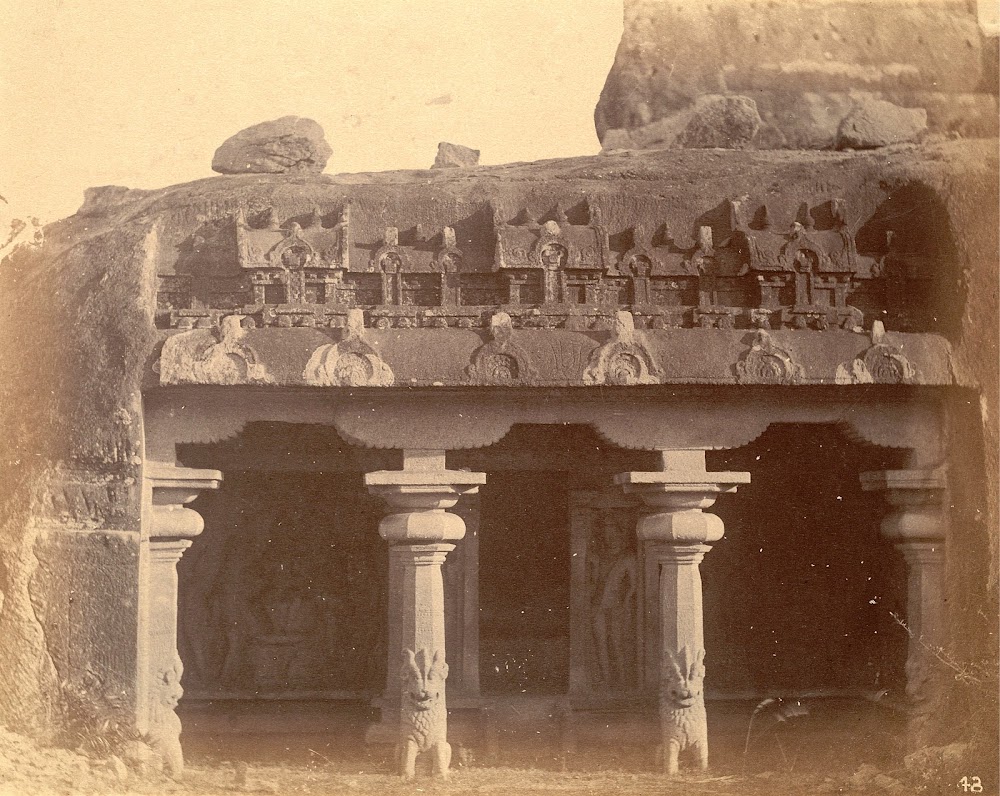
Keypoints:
pixel 917 523
pixel 171 528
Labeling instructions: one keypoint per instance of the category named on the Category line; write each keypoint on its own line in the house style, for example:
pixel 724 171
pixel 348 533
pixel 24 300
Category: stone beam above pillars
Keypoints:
pixel 420 533
pixel 676 534
pixel 917 523
pixel 171 528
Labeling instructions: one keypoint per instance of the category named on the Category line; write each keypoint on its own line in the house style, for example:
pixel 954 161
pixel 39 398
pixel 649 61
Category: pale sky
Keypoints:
pixel 141 92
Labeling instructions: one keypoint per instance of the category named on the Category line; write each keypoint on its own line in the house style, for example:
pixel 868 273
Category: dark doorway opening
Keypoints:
pixel 800 593
pixel 282 600
pixel 524 583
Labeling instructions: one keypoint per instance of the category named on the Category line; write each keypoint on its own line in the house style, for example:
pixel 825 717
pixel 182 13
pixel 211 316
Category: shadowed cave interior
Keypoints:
pixel 283 598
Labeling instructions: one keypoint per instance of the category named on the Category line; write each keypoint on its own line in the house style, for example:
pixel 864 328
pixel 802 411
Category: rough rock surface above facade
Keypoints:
pixel 731 267
pixel 804 63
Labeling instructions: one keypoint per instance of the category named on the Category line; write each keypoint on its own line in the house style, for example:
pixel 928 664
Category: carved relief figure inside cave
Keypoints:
pixel 614 603
pixel 283 600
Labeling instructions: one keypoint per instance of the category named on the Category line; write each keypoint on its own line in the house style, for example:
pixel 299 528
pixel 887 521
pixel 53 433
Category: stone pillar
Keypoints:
pixel 916 522
pixel 420 534
pixel 675 536
pixel 171 526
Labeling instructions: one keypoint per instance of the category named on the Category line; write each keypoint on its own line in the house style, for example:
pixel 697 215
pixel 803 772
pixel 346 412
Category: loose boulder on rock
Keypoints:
pixel 713 121
pixel 722 122
pixel 874 123
pixel 288 144
pixel 453 156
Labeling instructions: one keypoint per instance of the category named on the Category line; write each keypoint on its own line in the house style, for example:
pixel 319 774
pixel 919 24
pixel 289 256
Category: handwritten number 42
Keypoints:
pixel 971 784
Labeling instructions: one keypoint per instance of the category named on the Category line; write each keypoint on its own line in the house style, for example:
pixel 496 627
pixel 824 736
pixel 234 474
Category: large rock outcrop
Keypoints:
pixel 805 63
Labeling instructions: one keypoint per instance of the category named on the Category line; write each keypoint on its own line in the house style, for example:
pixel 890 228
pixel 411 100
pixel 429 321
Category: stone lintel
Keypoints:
pixel 904 480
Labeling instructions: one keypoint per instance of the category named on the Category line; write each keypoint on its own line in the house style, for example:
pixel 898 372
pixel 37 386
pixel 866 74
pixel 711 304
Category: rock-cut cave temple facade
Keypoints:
pixel 632 433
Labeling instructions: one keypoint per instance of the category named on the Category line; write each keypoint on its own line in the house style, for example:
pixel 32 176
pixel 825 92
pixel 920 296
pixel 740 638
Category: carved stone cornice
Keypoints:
pixel 801 272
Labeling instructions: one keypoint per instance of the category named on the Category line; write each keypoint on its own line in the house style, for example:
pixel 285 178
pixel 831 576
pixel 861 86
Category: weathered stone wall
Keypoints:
pixel 805 63
pixel 75 331
pixel 86 594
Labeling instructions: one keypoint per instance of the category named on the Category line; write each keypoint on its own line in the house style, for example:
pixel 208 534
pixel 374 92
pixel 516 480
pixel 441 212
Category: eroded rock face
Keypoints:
pixel 805 63
pixel 874 123
pixel 288 144
pixel 451 156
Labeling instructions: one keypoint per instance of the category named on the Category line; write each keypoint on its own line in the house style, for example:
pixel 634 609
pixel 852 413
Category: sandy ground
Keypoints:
pixel 836 750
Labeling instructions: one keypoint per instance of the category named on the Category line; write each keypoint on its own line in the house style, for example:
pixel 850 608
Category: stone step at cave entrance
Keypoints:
pixel 283 598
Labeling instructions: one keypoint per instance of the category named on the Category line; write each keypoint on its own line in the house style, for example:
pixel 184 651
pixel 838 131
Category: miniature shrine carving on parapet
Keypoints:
pixel 564 269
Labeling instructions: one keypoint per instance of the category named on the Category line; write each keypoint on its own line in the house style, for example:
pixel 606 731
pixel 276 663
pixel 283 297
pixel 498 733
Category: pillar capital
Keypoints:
pixel 677 494
pixel 424 484
pixel 172 489
pixel 916 498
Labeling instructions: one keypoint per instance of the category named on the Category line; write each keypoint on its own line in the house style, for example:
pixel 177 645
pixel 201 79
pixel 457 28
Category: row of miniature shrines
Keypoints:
pixel 795 300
